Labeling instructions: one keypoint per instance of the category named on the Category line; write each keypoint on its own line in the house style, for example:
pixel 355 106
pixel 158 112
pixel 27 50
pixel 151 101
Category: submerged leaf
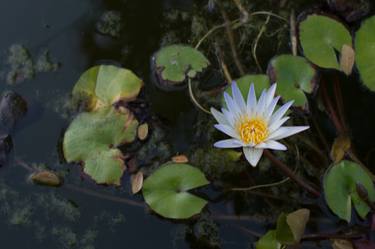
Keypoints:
pixel 294 77
pixel 321 37
pixel 365 52
pixel 173 63
pixel 340 187
pixel 92 138
pixel 102 86
pixel 166 191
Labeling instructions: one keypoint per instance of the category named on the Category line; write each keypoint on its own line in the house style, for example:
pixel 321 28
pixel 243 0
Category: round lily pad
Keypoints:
pixel 365 52
pixel 104 85
pixel 261 82
pixel 176 62
pixel 321 37
pixel 294 77
pixel 340 189
pixel 166 191
pixel 92 139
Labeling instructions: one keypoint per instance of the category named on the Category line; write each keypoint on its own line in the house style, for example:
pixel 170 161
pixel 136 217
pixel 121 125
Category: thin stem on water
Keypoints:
pixel 288 172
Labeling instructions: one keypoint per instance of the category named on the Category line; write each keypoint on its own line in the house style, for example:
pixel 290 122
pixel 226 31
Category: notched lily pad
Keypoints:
pixel 166 191
pixel 102 86
pixel 294 76
pixel 340 189
pixel 365 52
pixel 92 139
pixel 173 64
pixel 321 37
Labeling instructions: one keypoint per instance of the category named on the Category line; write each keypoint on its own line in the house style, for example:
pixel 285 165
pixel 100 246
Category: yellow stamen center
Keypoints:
pixel 252 130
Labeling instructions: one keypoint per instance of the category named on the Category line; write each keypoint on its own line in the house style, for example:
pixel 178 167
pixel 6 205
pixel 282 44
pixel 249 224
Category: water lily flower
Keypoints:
pixel 253 125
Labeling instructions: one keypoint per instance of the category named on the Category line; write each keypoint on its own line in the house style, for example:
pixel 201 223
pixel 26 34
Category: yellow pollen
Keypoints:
pixel 252 130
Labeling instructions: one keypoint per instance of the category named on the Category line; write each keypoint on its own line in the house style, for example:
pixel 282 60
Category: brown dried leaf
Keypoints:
pixel 342 244
pixel 180 159
pixel 137 182
pixel 47 178
pixel 347 59
pixel 340 146
pixel 143 131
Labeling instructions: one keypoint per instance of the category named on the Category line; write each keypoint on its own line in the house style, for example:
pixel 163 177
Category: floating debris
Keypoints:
pixel 47 178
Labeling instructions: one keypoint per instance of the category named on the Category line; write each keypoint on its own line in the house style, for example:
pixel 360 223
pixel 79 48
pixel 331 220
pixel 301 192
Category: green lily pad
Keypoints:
pixel 92 139
pixel 365 52
pixel 261 82
pixel 102 86
pixel 340 189
pixel 173 63
pixel 166 191
pixel 290 228
pixel 294 77
pixel 321 37
pixel 268 241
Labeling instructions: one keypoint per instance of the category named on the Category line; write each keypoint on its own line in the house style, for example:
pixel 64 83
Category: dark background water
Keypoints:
pixel 38 217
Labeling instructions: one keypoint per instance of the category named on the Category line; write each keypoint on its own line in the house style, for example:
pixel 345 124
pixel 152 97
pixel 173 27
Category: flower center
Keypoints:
pixel 253 130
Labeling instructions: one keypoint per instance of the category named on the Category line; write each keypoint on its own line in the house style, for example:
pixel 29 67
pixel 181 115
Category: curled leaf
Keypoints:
pixel 47 178
pixel 137 182
pixel 340 146
pixel 347 59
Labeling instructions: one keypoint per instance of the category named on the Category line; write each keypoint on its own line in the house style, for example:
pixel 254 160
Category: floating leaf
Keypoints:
pixel 283 232
pixel 47 178
pixel 173 63
pixel 261 82
pixel 341 244
pixel 137 182
pixel 365 52
pixel 142 131
pixel 347 59
pixel 297 221
pixel 180 159
pixel 294 76
pixel 166 191
pixel 321 37
pixel 102 86
pixel 340 146
pixel 340 189
pixel 92 138
pixel 268 241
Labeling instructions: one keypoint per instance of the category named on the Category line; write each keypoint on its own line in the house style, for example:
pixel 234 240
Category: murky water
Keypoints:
pixel 80 214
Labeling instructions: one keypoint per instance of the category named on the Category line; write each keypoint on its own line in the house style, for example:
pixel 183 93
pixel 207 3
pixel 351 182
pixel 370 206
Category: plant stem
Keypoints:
pixel 288 172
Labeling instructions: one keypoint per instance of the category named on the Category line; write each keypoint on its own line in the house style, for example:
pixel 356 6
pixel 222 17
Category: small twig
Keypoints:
pixel 231 40
pixel 255 46
pixel 261 185
pixel 287 171
pixel 293 36
pixel 331 110
pixel 193 99
pixel 224 67
pixel 245 14
pixel 328 236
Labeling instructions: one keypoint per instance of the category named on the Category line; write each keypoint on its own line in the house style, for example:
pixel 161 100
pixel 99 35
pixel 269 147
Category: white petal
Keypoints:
pixel 252 155
pixel 281 111
pixel 238 98
pixel 271 144
pixel 261 103
pixel 220 118
pixel 229 116
pixel 271 108
pixel 270 94
pixel 286 131
pixel 228 143
pixel 232 106
pixel 227 130
pixel 251 100
pixel 276 125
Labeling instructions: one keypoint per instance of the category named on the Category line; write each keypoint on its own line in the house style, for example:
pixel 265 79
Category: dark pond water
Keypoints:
pixel 80 214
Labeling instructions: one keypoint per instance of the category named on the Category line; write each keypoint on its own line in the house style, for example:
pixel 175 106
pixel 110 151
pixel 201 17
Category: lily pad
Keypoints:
pixel 340 189
pixel 321 38
pixel 261 82
pixel 102 86
pixel 365 52
pixel 92 139
pixel 268 241
pixel 166 191
pixel 294 77
pixel 291 227
pixel 176 62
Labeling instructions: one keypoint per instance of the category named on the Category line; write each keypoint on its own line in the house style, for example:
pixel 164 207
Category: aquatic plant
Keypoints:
pixel 252 124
